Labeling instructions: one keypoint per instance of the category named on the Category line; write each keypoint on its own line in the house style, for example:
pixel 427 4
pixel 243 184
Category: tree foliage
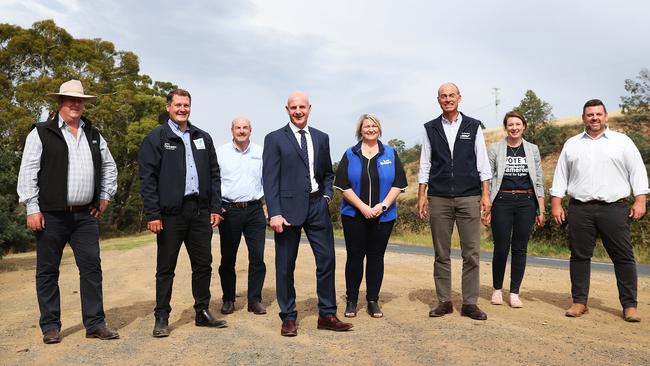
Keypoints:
pixel 36 61
pixel 637 104
pixel 398 145
pixel 537 113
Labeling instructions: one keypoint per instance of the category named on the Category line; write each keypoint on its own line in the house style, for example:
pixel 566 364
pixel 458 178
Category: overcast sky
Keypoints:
pixel 352 57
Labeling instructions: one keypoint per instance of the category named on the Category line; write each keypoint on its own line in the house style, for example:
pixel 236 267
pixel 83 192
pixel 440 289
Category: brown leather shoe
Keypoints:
pixel 444 307
pixel 228 307
pixel 473 312
pixel 331 322
pixel 631 315
pixel 103 332
pixel 52 336
pixel 289 328
pixel 577 310
pixel 256 308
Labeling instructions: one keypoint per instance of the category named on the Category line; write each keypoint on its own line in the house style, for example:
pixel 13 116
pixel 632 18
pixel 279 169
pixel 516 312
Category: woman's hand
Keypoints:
pixel 540 220
pixel 367 211
pixel 486 218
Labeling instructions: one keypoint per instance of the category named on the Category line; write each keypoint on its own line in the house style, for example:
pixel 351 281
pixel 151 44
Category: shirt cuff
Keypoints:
pixel 556 193
pixel 105 196
pixel 32 208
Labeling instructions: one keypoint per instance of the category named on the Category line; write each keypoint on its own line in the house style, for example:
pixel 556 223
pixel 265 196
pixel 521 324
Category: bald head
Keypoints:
pixel 240 120
pixel 298 108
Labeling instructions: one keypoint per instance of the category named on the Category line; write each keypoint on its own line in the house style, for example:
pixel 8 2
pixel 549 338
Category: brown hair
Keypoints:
pixel 180 93
pixel 514 114
pixel 593 103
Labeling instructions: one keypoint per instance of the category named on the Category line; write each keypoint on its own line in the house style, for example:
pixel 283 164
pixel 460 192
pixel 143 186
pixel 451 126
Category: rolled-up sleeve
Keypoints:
pixel 425 159
pixel 109 171
pixel 482 160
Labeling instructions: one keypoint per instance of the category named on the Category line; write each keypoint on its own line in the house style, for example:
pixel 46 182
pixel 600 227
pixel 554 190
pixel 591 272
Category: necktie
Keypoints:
pixel 303 146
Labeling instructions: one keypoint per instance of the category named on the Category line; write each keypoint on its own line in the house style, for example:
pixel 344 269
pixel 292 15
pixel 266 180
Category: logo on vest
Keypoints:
pixel 169 146
pixel 465 136
pixel 385 162
pixel 94 141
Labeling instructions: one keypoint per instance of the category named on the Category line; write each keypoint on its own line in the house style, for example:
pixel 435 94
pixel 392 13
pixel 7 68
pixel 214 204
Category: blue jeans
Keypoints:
pixel 513 216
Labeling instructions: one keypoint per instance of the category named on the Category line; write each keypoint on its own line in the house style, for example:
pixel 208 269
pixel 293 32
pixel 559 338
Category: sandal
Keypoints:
pixel 351 309
pixel 374 310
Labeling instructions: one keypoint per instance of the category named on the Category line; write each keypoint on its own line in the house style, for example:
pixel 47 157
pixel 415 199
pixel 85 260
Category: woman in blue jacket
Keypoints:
pixel 370 177
pixel 517 193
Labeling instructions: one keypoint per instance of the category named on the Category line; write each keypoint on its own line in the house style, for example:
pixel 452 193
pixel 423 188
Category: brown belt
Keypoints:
pixel 517 191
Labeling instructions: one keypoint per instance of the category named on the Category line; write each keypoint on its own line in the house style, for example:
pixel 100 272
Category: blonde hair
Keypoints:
pixel 364 117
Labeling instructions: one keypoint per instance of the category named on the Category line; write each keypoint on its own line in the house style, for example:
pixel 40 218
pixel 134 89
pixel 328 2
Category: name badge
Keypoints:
pixel 200 145
pixel 465 136
pixel 169 146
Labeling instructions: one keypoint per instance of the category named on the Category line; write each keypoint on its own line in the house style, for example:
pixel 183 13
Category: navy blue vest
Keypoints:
pixel 453 175
pixel 53 175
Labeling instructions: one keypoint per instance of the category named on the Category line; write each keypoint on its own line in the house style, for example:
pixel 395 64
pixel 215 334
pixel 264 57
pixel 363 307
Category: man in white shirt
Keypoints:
pixel 454 187
pixel 240 162
pixel 598 169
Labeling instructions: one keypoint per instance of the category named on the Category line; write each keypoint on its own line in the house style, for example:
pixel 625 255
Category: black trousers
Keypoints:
pixel 249 221
pixel 513 216
pixel 192 227
pixel 611 222
pixel 81 230
pixel 365 239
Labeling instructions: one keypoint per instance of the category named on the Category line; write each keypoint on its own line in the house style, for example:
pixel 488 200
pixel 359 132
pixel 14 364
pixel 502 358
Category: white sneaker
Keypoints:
pixel 515 302
pixel 497 297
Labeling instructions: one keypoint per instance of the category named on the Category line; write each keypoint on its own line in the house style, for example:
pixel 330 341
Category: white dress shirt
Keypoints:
pixel 451 130
pixel 241 172
pixel 310 152
pixel 81 176
pixel 606 168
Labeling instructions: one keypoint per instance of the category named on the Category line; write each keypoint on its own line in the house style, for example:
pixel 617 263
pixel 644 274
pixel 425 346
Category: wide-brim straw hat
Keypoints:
pixel 72 88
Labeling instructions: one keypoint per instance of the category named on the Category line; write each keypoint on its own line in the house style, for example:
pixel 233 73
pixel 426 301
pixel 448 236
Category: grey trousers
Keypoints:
pixel 465 212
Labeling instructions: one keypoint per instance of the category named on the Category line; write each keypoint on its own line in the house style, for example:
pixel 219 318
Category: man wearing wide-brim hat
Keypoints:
pixel 67 178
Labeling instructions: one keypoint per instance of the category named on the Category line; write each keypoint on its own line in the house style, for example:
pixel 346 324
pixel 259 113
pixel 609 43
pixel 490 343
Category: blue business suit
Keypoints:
pixel 287 192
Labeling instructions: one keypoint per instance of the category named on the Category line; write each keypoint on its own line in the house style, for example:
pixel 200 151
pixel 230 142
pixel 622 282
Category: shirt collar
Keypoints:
pixel 177 128
pixel 234 146
pixel 296 129
pixel 605 134
pixel 458 119
pixel 62 122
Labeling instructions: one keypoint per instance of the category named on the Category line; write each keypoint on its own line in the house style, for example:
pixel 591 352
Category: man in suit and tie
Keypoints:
pixel 298 176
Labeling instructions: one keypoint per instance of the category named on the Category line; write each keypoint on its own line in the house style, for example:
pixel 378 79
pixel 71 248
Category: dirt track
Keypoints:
pixel 536 334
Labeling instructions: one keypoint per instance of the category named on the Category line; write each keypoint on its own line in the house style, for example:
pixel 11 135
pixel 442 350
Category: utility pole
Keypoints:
pixel 497 101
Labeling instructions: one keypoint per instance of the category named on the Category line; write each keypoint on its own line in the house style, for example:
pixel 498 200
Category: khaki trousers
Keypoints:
pixel 465 212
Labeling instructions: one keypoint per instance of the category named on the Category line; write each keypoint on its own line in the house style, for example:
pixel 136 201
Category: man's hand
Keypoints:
pixel 277 223
pixel 638 208
pixel 215 219
pixel 98 212
pixel 486 204
pixel 422 200
pixel 36 222
pixel 486 218
pixel 155 226
pixel 557 211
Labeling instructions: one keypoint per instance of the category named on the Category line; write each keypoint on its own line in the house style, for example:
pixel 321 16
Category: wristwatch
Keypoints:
pixel 383 207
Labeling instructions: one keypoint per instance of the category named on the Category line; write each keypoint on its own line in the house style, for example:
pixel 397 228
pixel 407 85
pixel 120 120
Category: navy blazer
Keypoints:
pixel 285 173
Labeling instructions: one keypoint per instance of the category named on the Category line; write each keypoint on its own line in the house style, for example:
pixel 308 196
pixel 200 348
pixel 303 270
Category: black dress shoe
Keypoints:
pixel 256 308
pixel 473 312
pixel 52 336
pixel 374 310
pixel 161 328
pixel 103 332
pixel 443 308
pixel 228 307
pixel 289 328
pixel 204 318
pixel 350 309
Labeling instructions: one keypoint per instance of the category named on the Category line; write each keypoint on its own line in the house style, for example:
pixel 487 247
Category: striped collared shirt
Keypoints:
pixel 81 180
